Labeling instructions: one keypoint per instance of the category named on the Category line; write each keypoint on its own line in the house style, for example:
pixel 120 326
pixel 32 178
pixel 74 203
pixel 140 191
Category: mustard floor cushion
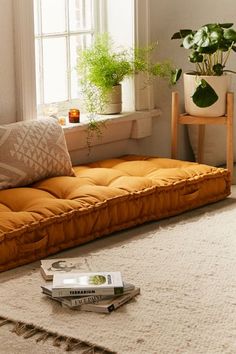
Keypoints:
pixel 104 197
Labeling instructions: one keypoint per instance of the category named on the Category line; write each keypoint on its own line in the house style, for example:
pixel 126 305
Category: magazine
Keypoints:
pixel 81 284
pixel 60 265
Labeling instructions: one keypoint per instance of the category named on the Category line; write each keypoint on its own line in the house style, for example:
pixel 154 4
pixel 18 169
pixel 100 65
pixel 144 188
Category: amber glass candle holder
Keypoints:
pixel 74 115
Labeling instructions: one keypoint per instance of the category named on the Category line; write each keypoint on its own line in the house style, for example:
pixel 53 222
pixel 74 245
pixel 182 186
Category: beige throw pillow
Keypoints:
pixel 31 151
pixel 214 143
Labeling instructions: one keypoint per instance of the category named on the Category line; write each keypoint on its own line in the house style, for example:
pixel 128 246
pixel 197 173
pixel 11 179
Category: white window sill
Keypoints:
pixel 128 125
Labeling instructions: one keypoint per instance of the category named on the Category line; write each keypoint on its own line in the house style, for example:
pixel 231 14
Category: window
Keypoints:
pixel 62 28
pixel 127 21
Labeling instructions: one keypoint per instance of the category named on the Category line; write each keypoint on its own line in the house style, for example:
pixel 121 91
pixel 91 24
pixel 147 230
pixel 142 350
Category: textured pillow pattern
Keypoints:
pixel 31 151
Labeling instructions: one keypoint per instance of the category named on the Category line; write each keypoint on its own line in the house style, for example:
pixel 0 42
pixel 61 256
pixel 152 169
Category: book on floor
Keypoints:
pixel 91 283
pixel 110 304
pixel 72 301
pixel 60 265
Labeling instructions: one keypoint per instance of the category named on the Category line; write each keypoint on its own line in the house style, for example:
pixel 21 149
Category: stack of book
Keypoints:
pixel 99 292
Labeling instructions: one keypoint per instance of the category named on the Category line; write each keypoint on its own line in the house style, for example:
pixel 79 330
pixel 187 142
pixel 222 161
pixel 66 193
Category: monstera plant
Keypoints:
pixel 209 49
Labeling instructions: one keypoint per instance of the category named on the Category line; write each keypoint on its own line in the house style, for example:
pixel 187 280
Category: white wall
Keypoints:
pixel 7 75
pixel 168 17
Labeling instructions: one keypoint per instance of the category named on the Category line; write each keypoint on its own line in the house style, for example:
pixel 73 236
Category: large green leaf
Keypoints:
pixel 185 32
pixel 225 45
pixel 208 50
pixel 208 35
pixel 176 35
pixel 188 41
pixel 181 34
pixel 204 96
pixel 225 25
pixel 175 75
pixel 201 37
pixel 216 35
pixel 218 69
pixel 195 57
pixel 230 34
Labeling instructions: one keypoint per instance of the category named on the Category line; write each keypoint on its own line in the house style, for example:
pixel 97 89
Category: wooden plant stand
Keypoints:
pixel 184 118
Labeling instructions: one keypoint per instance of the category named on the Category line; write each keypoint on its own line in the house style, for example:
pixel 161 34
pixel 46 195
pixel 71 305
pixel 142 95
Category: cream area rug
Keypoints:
pixel 186 269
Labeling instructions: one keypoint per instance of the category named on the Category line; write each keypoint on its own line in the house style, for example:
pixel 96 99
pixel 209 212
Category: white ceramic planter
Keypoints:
pixel 219 83
pixel 114 101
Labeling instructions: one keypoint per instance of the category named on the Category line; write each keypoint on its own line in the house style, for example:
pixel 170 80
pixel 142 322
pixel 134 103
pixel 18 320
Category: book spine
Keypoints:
pixel 123 300
pixel 112 306
pixel 83 300
pixel 63 292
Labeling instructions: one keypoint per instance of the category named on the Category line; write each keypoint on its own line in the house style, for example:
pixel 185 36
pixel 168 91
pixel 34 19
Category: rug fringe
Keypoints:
pixel 57 341
pixel 19 328
pixel 31 332
pixel 44 336
pixel 72 344
pixel 4 322
pixel 28 331
pixel 89 350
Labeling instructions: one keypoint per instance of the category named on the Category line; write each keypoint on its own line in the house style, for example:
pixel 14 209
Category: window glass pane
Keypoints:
pixel 55 69
pixel 80 14
pixel 77 42
pixel 53 16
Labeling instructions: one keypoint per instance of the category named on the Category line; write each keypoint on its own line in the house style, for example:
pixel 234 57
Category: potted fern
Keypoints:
pixel 102 68
pixel 205 87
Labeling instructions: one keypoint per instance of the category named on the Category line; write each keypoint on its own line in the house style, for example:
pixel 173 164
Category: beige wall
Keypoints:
pixel 7 75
